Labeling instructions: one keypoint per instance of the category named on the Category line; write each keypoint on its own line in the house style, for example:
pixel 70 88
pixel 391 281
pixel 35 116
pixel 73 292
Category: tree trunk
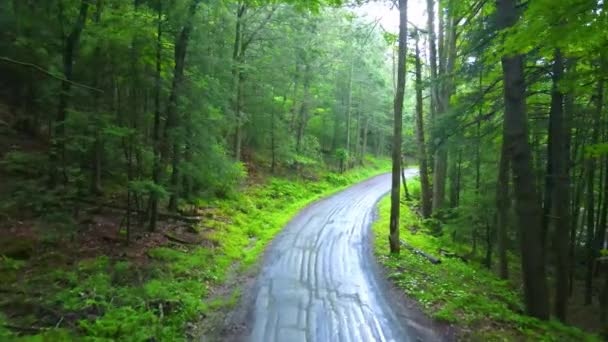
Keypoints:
pixel 364 144
pixel 447 53
pixel 455 180
pixel 303 118
pixel 57 155
pixel 425 190
pixel 590 246
pixel 406 193
pixel 528 205
pixel 97 150
pixel 156 143
pixel 489 246
pixel 502 210
pixel 173 119
pixel 430 7
pixel 397 123
pixel 349 99
pixel 560 210
pixel 238 78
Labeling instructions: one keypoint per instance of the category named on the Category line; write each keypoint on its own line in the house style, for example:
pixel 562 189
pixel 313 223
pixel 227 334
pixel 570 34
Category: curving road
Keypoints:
pixel 320 282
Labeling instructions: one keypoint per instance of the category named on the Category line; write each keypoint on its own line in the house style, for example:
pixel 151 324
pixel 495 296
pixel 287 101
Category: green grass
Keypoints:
pixel 116 300
pixel 481 305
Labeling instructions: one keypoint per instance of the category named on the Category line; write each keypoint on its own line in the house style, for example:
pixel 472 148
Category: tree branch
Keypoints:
pixel 48 73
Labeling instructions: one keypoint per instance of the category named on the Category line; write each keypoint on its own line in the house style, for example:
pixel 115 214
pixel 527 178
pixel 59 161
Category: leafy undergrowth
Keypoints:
pixel 102 298
pixel 482 306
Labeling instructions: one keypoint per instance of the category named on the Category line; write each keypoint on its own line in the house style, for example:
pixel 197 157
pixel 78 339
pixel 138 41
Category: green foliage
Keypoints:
pixel 120 300
pixel 122 323
pixel 484 306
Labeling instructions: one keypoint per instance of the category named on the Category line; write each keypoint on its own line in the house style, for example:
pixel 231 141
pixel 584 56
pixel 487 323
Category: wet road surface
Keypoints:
pixel 320 282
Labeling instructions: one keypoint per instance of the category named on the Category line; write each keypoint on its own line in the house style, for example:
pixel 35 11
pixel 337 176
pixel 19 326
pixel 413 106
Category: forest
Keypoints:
pixel 151 150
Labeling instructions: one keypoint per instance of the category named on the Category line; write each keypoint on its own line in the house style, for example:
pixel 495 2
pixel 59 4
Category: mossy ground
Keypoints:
pixel 482 306
pixel 102 298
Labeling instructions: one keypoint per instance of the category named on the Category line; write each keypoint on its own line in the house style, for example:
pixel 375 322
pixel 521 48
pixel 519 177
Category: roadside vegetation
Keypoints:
pixel 164 292
pixel 460 290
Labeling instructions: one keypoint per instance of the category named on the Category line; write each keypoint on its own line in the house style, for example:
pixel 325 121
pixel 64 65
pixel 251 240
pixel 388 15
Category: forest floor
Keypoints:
pixel 459 290
pixel 59 284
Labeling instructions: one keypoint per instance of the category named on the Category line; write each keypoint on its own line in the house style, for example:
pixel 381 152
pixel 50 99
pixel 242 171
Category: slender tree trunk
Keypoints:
pixel 528 206
pixel 237 78
pixel 57 155
pixel 273 163
pixel 576 222
pixel 156 143
pixel 455 179
pixel 349 99
pixel 364 144
pixel 303 119
pixel 173 117
pixel 590 246
pixel 425 189
pixel 600 233
pixel 397 123
pixel 489 246
pixel 502 210
pixel 560 215
pixel 406 193
pixel 97 150
pixel 430 7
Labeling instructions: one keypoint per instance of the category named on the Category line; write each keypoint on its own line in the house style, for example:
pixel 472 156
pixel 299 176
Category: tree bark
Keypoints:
pixel 97 149
pixel 590 205
pixel 173 117
pixel 425 190
pixel 237 76
pixel 303 118
pixel 447 52
pixel 502 209
pixel 560 210
pixel 349 99
pixel 528 205
pixel 397 126
pixel 364 143
pixel 156 143
pixel 57 156
pixel 406 192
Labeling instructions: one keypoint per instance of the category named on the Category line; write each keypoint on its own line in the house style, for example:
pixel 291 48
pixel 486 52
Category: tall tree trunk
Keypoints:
pixel 364 144
pixel 406 192
pixel 600 232
pixel 560 217
pixel 173 119
pixel 447 56
pixel 156 143
pixel 425 189
pixel 397 125
pixel 349 99
pixel 454 176
pixel 590 246
pixel 440 155
pixel 502 209
pixel 57 156
pixel 237 78
pixel 303 118
pixel 273 162
pixel 97 150
pixel 528 205
pixel 430 8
